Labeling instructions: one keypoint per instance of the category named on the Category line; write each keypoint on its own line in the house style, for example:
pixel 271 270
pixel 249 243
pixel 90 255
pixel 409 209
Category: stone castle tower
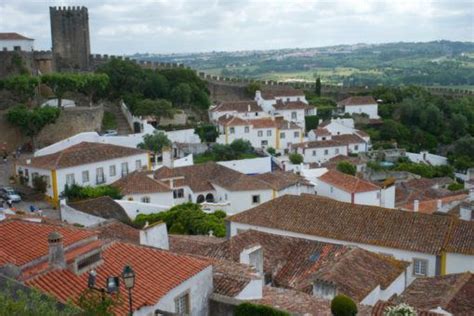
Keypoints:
pixel 70 37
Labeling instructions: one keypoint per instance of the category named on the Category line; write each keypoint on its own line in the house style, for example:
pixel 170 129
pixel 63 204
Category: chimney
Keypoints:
pixel 253 256
pixel 249 108
pixel 471 194
pixel 416 205
pixel 167 158
pixel 155 235
pixel 258 95
pixel 439 204
pixel 56 250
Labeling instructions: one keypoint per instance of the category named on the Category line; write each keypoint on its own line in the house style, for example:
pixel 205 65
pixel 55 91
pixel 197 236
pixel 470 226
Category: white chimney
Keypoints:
pixel 416 205
pixel 249 108
pixel 167 157
pixel 155 235
pixel 439 204
pixel 258 95
pixel 253 256
pixel 56 250
pixel 471 194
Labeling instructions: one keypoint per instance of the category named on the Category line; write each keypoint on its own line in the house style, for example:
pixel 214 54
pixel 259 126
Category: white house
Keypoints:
pixel 360 105
pixel 215 187
pixel 15 42
pixel 268 132
pixel 338 126
pixel 246 110
pixel 434 245
pixel 268 97
pixel 85 164
pixel 346 188
pixel 293 111
pixel 320 151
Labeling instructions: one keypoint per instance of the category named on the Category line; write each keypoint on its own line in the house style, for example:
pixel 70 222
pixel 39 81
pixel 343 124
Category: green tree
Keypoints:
pixel 296 158
pixel 342 305
pixel 317 87
pixel 207 133
pixel 60 83
pixel 157 108
pixel 156 85
pixel 347 168
pixel 24 86
pixel 155 142
pixel 241 146
pixel 93 84
pixel 251 309
pixel 31 122
pixel 94 303
pixel 181 94
pixel 77 192
pixel 125 77
pixel 271 151
pixel 251 88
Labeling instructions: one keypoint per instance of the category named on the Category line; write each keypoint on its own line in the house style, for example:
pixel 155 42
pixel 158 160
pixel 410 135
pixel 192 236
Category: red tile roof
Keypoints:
pixel 104 207
pixel 321 132
pixel 157 272
pixel 347 182
pixel 319 144
pixel 431 206
pixel 348 139
pixel 80 154
pixel 13 37
pixel 237 106
pixel 25 241
pixel 360 100
pixel 318 216
pixel 453 293
pixel 292 105
pixel 140 182
pixel 280 180
pixel 231 121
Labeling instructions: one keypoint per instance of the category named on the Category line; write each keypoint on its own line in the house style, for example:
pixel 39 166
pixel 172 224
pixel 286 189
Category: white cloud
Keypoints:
pixel 122 27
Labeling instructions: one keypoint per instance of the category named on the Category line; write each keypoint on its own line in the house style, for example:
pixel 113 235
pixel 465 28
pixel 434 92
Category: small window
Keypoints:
pixel 124 168
pixel 255 199
pixel 260 133
pixel 420 267
pixel 298 99
pixel 178 193
pixel 331 189
pixel 100 175
pixel 232 130
pixel 112 171
pixel 85 176
pixel 225 197
pixel 282 135
pixel 70 179
pixel 296 134
pixel 264 143
pixel 356 147
pixel 324 138
pixel 337 151
pixel 182 304
pixel 269 132
pixel 247 129
pixel 138 164
pixel 326 152
pixel 287 99
pixel 293 115
pixel 146 199
pixel 314 152
pixel 379 195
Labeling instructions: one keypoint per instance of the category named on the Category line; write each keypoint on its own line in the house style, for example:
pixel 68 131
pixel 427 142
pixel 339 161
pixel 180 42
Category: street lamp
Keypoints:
pixel 128 276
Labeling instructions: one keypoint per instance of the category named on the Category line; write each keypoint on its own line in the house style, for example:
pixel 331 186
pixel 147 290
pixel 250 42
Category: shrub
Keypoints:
pixel 109 121
pixel 347 168
pixel 455 186
pixel 77 192
pixel 342 305
pixel 271 151
pixel 249 309
pixel 40 184
pixel 400 310
pixel 311 122
pixel 296 158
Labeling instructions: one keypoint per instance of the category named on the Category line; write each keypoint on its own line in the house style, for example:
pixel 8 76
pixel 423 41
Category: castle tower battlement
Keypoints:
pixel 70 38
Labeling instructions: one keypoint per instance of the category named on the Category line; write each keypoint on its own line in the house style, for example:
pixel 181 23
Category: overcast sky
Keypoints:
pixel 127 27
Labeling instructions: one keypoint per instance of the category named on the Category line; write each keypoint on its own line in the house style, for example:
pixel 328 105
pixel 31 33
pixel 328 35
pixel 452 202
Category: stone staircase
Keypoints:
pixel 122 125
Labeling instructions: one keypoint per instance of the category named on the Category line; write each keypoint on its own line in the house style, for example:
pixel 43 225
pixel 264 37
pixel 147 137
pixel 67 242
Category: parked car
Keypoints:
pixel 111 132
pixel 8 193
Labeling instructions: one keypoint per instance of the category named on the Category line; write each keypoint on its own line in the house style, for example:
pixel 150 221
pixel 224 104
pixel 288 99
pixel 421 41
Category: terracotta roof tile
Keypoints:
pixel 13 36
pixel 104 207
pixel 292 105
pixel 347 182
pixel 280 180
pixel 431 206
pixel 80 154
pixel 314 215
pixel 462 237
pixel 140 182
pixel 116 230
pixel 318 144
pixel 321 132
pixel 157 271
pixel 453 293
pixel 237 106
pixel 358 100
pixel 348 139
pixel 231 121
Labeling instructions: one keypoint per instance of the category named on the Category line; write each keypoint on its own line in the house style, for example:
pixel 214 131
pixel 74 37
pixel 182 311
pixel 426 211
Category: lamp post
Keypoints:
pixel 128 276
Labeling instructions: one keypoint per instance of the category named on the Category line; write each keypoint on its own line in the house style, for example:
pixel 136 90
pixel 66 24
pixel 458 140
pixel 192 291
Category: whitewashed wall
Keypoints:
pixel 396 287
pixel 426 157
pixel 249 166
pixel 242 200
pixel 155 236
pixel 133 208
pixel 319 153
pixel 158 198
pixel 458 263
pixel 370 109
pixel 73 216
pixel 26 45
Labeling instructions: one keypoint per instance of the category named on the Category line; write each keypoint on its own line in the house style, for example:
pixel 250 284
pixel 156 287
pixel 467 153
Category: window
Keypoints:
pixel 293 115
pixel 85 176
pixel 326 291
pixel 356 147
pixel 332 189
pixel 420 267
pixel 100 175
pixel 112 171
pixel 379 195
pixel 232 130
pixel 269 132
pixel 260 133
pixel 225 197
pixel 70 179
pixel 138 164
pixel 34 175
pixel 124 168
pixel 287 99
pixel 296 134
pixel 182 303
pixel 264 143
pixel 88 261
pixel 337 151
pixel 298 99
pixel 255 199
pixel 178 193
pixel 326 152
pixel 282 135
pixel 146 199
pixel 314 152
pixel 247 129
